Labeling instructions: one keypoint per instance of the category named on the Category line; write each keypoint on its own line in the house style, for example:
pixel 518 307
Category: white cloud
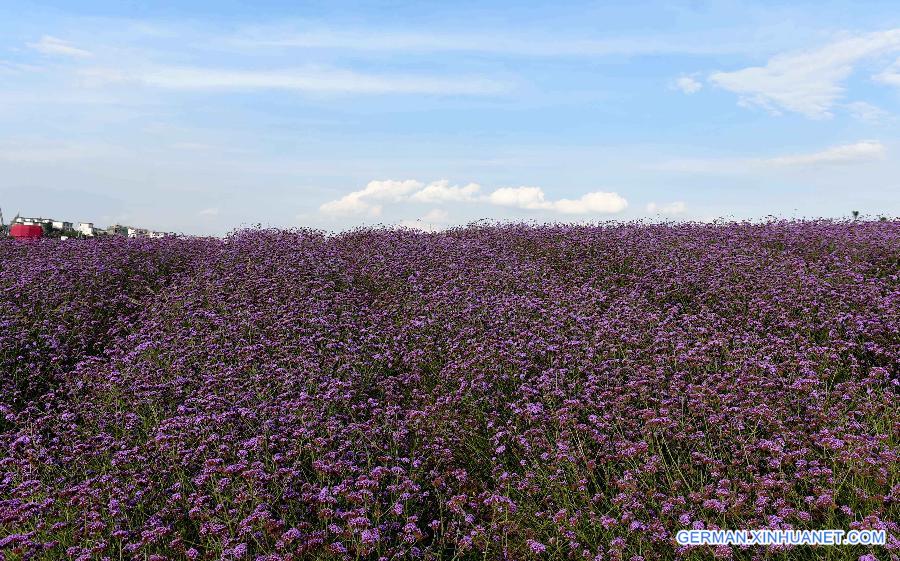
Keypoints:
pixel 891 75
pixel 28 152
pixel 437 215
pixel 358 202
pixel 676 207
pixel 309 79
pixel 533 198
pixel 808 82
pixel 434 220
pixel 442 191
pixel 528 198
pixel 867 112
pixel 592 203
pixel 9 67
pixel 688 85
pixel 213 211
pixel 389 189
pixel 862 152
pixel 350 205
pixel 525 43
pixel 193 146
pixel 49 45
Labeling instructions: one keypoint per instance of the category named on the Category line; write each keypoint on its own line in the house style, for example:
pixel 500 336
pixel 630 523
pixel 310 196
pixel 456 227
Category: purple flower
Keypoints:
pixel 369 536
pixel 301 390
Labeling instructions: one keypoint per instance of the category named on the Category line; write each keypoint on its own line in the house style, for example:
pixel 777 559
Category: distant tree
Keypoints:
pixel 855 214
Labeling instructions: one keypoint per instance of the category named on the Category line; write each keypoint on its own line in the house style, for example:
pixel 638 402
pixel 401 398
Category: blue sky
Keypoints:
pixel 202 117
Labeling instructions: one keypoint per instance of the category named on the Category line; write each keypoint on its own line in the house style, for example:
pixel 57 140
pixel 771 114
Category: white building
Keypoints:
pixel 46 222
pixel 86 229
pixel 30 221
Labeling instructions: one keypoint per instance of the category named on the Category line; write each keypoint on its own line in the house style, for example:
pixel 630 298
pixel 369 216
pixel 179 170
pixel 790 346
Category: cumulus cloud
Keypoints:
pixel 389 189
pixel 213 211
pixel 676 207
pixel 50 45
pixel 808 82
pixel 533 198
pixel 350 205
pixel 442 191
pixel 360 202
pixel 688 85
pixel 592 203
pixel 365 200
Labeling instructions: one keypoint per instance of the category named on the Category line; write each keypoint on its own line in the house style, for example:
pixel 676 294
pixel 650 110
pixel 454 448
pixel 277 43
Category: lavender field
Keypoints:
pixel 489 392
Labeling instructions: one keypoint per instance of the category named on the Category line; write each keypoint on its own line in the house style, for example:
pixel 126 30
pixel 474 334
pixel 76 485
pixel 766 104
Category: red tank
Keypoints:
pixel 26 231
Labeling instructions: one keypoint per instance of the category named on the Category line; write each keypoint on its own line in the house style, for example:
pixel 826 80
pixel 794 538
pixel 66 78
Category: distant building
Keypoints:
pixel 86 229
pixel 64 230
pixel 22 231
pixel 30 221
pixel 45 224
pixel 117 230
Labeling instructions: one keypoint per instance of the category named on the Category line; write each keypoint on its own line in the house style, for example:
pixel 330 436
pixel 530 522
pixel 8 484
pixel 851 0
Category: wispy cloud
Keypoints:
pixel 192 146
pixel 52 152
pixel 676 207
pixel 687 85
pixel 311 79
pixel 524 44
pixel 50 45
pixel 370 200
pixel 212 211
pixel 890 75
pixel 807 82
pixel 10 67
pixel 862 152
pixel 867 112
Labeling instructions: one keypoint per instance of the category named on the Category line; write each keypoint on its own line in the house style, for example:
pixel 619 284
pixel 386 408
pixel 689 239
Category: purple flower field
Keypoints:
pixel 489 392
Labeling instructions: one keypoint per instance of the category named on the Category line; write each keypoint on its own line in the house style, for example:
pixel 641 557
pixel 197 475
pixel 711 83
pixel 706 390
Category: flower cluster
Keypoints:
pixel 494 391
